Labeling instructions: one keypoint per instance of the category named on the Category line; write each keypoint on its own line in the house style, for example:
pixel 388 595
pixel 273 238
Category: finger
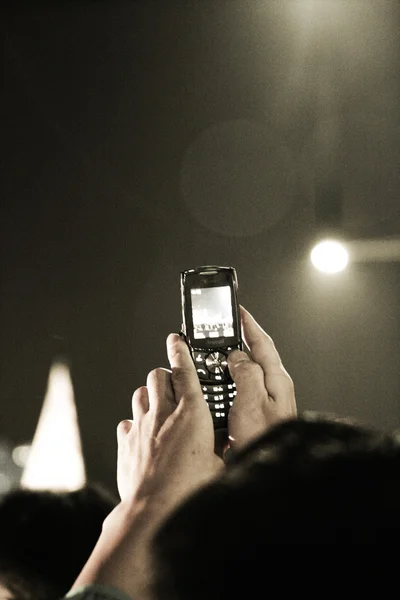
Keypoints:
pixel 123 428
pixel 184 379
pixel 161 394
pixel 140 402
pixel 248 376
pixel 260 344
pixel 262 348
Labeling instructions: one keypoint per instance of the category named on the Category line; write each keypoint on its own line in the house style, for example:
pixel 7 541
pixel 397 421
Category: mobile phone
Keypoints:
pixel 211 328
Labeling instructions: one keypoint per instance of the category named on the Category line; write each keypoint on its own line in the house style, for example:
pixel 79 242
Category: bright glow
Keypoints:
pixel 329 256
pixel 20 454
pixel 5 483
pixel 375 250
pixel 55 459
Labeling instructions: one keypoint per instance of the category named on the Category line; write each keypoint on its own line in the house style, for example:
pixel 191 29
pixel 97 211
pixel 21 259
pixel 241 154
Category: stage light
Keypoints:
pixel 55 460
pixel 329 256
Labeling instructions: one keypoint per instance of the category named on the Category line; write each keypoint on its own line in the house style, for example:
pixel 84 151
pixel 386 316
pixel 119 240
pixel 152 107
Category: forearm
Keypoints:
pixel 120 558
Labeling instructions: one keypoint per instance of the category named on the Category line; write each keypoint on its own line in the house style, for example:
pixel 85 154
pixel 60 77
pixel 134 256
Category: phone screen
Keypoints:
pixel 212 312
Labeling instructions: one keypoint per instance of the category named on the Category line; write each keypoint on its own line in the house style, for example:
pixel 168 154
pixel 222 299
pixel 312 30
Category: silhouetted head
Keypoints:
pixel 303 482
pixel 46 538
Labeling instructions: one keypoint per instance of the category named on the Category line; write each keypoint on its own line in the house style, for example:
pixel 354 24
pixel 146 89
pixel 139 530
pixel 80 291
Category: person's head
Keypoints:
pixel 303 482
pixel 46 538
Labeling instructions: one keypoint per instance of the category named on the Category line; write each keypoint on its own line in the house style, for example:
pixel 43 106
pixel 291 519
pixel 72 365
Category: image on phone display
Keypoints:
pixel 212 312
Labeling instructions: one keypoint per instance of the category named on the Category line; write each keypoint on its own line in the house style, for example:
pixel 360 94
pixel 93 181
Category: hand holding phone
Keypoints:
pixel 265 390
pixel 211 328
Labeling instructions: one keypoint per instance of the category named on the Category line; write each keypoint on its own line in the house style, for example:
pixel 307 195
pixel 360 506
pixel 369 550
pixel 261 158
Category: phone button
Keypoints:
pixel 222 379
pixel 219 414
pixel 215 388
pixel 218 405
pixel 201 372
pixel 216 363
pixel 199 357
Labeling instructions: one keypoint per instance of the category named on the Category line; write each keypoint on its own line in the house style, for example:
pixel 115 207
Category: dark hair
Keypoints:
pixel 303 482
pixel 46 538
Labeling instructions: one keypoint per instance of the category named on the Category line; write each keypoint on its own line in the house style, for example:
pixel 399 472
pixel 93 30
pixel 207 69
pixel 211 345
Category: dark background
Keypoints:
pixel 142 138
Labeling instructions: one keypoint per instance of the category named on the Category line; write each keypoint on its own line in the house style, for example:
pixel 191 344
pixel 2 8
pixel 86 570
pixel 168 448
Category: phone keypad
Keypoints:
pixel 218 388
pixel 219 399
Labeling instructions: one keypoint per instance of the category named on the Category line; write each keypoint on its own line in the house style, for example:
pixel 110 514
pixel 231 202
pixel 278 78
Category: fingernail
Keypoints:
pixel 126 425
pixel 172 340
pixel 237 357
pixel 173 337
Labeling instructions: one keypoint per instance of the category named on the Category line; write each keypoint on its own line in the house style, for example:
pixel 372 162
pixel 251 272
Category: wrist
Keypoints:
pixel 121 556
pixel 136 514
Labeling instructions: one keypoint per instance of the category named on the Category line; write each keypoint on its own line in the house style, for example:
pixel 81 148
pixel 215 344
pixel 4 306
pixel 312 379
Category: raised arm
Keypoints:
pixel 164 453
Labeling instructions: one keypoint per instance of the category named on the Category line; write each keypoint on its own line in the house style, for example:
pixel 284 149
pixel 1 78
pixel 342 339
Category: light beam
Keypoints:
pixel 55 460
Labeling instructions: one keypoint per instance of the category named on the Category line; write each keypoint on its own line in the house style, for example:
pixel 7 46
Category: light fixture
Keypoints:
pixel 329 256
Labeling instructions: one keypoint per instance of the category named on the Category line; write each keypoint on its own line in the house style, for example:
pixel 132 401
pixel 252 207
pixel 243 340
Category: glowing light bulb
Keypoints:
pixel 329 256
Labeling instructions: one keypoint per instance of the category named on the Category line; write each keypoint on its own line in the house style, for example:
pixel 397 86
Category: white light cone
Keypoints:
pixel 55 460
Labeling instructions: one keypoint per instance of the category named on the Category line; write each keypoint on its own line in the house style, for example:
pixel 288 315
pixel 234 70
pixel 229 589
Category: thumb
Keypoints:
pixel 185 381
pixel 247 375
